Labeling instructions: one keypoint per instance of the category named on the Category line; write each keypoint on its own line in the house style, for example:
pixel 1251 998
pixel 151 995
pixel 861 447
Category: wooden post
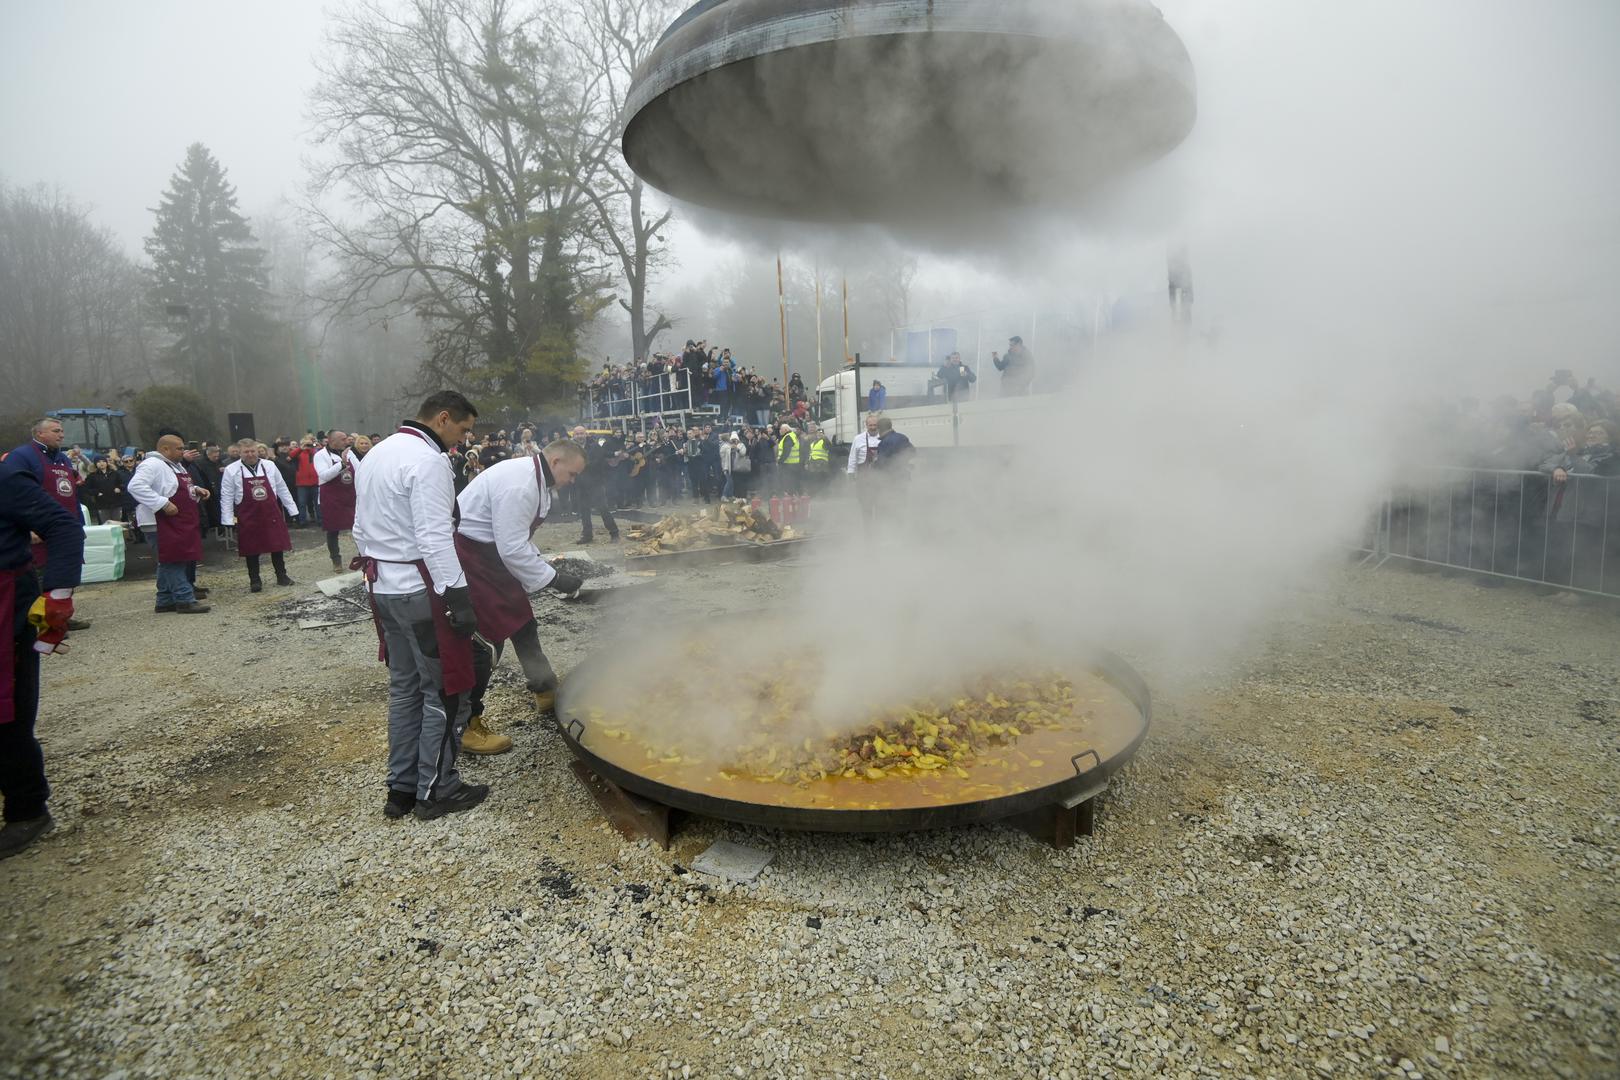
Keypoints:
pixel 781 309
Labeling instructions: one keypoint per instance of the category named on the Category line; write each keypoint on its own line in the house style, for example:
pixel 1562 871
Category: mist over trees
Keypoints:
pixel 478 137
pixel 71 325
pixel 470 222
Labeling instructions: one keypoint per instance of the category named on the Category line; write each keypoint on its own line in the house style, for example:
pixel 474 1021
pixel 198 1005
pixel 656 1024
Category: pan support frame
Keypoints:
pixel 637 817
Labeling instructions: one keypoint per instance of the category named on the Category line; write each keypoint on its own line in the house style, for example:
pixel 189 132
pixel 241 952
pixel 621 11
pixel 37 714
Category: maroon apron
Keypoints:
pixel 498 598
pixel 337 499
pixel 455 653
pixel 61 483
pixel 8 655
pixel 179 535
pixel 260 528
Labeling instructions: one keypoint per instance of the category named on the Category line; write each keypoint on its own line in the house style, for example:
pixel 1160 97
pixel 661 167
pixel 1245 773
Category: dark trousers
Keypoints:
pixel 594 498
pixel 332 548
pixel 277 560
pixel 792 477
pixel 22 762
pixel 537 670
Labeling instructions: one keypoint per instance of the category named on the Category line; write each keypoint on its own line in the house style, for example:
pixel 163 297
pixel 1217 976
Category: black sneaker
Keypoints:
pixel 464 797
pixel 399 804
pixel 255 586
pixel 189 609
pixel 19 834
pixel 582 541
pixel 162 608
pixel 199 592
pixel 284 580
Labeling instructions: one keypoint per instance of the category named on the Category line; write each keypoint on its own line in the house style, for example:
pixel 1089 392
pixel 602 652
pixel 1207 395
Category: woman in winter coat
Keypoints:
pixel 733 454
pixel 100 492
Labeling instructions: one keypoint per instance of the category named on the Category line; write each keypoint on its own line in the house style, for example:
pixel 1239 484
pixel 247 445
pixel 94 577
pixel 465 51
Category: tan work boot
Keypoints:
pixel 545 700
pixel 478 739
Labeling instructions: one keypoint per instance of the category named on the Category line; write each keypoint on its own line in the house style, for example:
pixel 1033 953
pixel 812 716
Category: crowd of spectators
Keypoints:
pixel 700 378
pixel 1567 426
pixel 665 465
pixel 1522 488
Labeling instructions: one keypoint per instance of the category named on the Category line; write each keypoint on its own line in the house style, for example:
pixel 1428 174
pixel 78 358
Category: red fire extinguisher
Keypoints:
pixel 776 509
pixel 756 502
pixel 804 508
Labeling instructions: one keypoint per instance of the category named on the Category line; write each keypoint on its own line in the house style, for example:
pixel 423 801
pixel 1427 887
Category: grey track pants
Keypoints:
pixel 424 725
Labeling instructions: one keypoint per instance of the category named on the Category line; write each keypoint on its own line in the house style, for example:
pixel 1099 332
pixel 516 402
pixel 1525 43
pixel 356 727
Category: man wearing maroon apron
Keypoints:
pixel 166 510
pixel 25 510
pixel 252 496
pixel 404 526
pixel 499 509
pixel 41 456
pixel 334 468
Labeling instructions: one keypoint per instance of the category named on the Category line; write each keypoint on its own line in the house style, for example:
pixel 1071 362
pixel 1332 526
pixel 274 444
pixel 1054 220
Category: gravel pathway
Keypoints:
pixel 1384 845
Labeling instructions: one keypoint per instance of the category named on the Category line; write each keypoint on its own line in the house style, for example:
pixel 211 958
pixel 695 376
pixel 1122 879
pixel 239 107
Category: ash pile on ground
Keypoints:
pixel 1376 847
pixel 350 603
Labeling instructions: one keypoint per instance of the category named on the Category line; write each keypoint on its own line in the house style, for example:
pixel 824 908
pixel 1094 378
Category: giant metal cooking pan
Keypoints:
pixel 1094 759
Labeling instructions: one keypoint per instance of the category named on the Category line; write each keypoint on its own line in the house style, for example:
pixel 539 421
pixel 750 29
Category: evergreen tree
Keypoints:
pixel 208 279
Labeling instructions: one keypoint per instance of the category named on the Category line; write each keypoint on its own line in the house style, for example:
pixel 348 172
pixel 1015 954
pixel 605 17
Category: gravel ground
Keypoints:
pixel 1385 845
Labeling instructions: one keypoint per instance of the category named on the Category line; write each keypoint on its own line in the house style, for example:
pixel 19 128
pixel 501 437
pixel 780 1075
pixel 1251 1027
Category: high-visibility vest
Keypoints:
pixel 818 451
pixel 790 448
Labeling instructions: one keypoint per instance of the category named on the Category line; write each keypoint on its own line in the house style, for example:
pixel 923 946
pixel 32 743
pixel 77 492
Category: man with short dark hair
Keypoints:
pixel 404 528
pixel 1017 368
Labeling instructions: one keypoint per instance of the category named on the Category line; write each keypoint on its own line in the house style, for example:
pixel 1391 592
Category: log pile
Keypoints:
pixel 734 521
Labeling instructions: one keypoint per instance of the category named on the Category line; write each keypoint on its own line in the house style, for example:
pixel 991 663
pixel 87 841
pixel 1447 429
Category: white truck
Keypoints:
pixel 921 413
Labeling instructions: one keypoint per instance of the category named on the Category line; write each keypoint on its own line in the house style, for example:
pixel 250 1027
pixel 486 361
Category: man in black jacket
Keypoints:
pixel 595 483
pixel 956 376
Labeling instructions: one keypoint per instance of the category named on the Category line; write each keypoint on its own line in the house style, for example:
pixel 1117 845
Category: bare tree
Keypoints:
pixel 466 131
pixel 614 37
pixel 70 306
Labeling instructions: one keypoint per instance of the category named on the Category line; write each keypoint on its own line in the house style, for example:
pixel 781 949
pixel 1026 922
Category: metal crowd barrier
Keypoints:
pixel 666 392
pixel 1503 523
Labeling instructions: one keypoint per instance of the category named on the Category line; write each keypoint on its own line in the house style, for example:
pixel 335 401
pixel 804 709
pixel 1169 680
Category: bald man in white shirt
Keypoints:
pixel 499 509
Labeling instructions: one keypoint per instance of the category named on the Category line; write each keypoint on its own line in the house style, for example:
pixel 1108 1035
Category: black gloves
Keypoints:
pixel 458 602
pixel 567 584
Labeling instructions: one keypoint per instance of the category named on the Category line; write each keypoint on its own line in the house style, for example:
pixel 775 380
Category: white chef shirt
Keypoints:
pixel 155 482
pixel 230 488
pixel 863 447
pixel 328 464
pixel 403 500
pixel 499 507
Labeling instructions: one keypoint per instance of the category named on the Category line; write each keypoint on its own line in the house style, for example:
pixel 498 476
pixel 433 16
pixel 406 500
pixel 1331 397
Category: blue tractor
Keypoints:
pixel 93 430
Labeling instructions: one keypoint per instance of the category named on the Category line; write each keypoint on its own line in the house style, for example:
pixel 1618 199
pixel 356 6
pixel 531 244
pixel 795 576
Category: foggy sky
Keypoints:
pixel 102 97
pixel 1446 156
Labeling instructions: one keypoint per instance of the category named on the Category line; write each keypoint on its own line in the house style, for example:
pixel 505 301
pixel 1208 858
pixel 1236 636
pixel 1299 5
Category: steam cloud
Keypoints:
pixel 1385 205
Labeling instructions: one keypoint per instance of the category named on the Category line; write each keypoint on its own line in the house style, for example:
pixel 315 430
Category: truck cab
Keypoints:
pixel 918 408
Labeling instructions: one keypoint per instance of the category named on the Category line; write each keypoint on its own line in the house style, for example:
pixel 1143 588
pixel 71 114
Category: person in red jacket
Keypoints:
pixel 308 488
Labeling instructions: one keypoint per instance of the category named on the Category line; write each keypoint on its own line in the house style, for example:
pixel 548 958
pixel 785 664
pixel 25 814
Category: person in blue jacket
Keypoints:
pixel 37 625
